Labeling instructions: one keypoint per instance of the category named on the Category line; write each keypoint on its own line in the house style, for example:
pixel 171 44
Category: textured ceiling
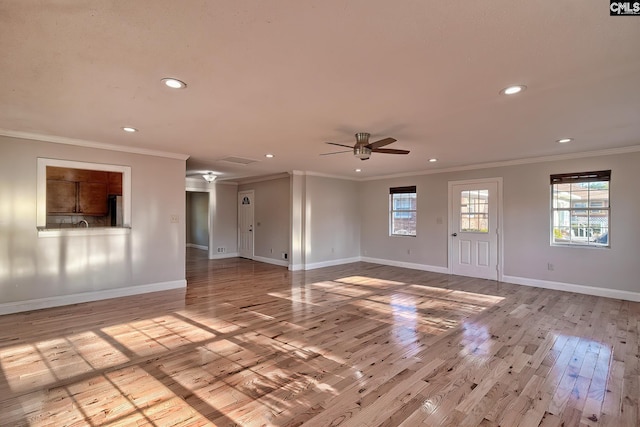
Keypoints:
pixel 284 76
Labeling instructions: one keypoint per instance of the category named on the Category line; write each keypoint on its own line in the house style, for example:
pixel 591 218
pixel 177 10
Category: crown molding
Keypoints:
pixel 90 144
pixel 251 180
pixel 525 161
pixel 325 175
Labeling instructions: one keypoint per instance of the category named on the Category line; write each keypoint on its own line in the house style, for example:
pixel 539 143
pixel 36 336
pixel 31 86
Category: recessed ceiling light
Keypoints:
pixel 358 170
pixel 564 140
pixel 269 156
pixel 433 160
pixel 512 90
pixel 174 83
pixel 129 129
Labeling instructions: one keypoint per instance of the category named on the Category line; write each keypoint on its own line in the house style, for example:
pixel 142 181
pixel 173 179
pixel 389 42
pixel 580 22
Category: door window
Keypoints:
pixel 474 211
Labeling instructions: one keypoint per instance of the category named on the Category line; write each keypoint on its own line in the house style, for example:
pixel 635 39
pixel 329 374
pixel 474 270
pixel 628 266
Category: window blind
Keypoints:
pixel 402 190
pixel 566 178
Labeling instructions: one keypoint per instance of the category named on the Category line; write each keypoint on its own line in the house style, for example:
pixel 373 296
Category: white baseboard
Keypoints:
pixel 411 265
pixel 193 245
pixel 57 301
pixel 570 287
pixel 225 255
pixel 280 262
pixel 331 263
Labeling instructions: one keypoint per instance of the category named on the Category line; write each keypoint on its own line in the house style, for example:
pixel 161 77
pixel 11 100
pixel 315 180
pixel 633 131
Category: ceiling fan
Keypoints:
pixel 364 148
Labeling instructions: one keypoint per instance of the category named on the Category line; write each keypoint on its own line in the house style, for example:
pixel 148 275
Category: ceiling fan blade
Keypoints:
pixel 335 152
pixel 339 145
pixel 381 143
pixel 389 151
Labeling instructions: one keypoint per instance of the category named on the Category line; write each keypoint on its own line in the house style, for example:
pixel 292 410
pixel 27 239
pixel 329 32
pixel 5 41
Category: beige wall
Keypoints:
pixel 526 223
pixel 271 217
pixel 197 218
pixel 332 217
pixel 327 230
pixel 223 202
pixel 342 220
pixel 33 267
pixel 223 215
pixel 429 247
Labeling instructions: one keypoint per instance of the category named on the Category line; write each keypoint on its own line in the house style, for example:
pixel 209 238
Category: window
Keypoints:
pixel 474 211
pixel 580 208
pixel 82 198
pixel 402 211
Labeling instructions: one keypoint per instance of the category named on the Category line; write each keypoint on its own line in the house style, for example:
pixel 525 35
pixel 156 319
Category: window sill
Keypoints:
pixel 579 245
pixel 93 231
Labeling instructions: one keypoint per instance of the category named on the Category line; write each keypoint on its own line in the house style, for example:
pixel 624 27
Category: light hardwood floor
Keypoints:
pixel 251 344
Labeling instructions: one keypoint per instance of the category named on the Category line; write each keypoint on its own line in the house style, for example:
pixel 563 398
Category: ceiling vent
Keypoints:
pixel 238 160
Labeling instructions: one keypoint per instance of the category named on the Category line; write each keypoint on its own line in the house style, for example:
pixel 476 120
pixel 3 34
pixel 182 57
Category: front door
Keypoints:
pixel 474 228
pixel 245 224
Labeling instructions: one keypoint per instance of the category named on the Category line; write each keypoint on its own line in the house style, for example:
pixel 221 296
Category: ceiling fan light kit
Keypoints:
pixel 209 177
pixel 362 152
pixel 363 148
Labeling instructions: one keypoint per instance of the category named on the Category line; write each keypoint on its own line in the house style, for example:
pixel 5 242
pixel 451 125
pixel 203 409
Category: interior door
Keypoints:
pixel 245 224
pixel 474 229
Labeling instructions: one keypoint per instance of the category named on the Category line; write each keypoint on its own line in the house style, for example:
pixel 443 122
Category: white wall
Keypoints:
pixel 271 218
pixel 526 224
pixel 50 270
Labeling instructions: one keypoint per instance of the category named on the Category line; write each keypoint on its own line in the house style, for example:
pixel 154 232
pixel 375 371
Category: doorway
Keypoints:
pixel 197 219
pixel 245 223
pixel 475 228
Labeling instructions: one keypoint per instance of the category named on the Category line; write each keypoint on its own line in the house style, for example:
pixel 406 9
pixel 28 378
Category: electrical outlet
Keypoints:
pixel 285 255
pixel 408 251
pixel 549 266
pixel 174 219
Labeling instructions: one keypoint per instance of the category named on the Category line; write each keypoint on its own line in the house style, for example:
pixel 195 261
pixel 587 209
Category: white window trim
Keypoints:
pixel 391 211
pixel 581 245
pixel 41 198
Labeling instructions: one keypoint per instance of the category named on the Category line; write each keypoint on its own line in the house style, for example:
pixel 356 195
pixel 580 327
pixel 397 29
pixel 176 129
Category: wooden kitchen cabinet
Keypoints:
pixel 61 197
pixel 115 183
pixel 78 191
pixel 92 198
pixel 76 175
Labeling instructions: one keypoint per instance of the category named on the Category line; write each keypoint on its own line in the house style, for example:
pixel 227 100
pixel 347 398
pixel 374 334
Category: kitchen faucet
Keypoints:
pixel 84 221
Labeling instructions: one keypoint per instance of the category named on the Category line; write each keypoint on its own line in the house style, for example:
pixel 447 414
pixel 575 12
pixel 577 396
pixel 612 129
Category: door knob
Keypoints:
pixel 454 234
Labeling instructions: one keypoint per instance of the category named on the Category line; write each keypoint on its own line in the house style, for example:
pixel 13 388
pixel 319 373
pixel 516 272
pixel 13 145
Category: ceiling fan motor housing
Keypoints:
pixel 362 138
pixel 360 150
